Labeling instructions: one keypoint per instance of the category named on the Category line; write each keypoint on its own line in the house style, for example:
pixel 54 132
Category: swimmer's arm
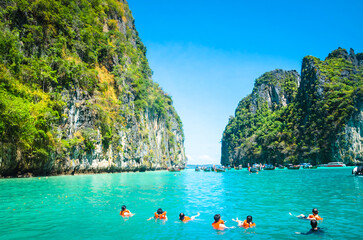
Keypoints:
pixel 239 222
pixel 225 227
pixel 150 218
pixel 310 232
pixel 193 217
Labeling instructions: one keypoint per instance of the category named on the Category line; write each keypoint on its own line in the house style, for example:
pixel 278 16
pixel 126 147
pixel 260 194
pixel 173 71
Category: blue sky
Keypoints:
pixel 207 54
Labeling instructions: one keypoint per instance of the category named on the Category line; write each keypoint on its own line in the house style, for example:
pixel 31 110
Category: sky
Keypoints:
pixel 207 54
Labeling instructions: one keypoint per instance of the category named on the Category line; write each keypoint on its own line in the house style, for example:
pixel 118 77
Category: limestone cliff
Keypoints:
pixel 76 93
pixel 319 121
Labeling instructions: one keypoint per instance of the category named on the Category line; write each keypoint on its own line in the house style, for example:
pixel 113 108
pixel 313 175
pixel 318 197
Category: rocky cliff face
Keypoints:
pixel 276 88
pixel 76 93
pixel 318 121
pixel 272 91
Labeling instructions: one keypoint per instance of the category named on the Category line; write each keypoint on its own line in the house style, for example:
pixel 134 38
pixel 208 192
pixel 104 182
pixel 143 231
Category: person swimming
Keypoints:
pixel 159 214
pixel 125 212
pixel 219 223
pixel 246 223
pixel 185 219
pixel 314 228
pixel 311 216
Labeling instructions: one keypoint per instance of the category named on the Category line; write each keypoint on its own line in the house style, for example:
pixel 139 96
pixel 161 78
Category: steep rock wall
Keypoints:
pixel 321 120
pixel 76 93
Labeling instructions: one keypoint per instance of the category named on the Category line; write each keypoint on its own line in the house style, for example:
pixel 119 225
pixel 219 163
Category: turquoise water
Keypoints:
pixel 87 206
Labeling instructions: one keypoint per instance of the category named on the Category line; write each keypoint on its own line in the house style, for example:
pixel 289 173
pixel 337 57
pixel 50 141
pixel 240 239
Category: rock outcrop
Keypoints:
pixel 76 94
pixel 319 119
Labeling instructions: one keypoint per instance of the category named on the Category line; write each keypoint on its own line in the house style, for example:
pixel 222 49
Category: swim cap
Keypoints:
pixel 315 210
pixel 181 216
pixel 159 211
pixel 313 223
pixel 123 207
pixel 249 218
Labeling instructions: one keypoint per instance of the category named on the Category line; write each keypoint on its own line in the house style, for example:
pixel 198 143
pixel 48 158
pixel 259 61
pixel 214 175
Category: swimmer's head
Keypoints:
pixel 123 208
pixel 217 217
pixel 315 211
pixel 249 218
pixel 159 211
pixel 314 223
pixel 181 216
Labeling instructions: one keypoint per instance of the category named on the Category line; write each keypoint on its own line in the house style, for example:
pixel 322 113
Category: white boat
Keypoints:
pixel 336 164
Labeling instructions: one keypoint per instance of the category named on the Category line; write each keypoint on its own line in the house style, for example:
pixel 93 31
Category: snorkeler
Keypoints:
pixel 125 212
pixel 314 228
pixel 219 223
pixel 159 214
pixel 311 216
pixel 185 219
pixel 246 223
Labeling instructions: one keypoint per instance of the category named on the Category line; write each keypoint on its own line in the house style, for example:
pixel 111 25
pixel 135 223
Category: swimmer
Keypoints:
pixel 185 219
pixel 246 223
pixel 159 214
pixel 311 216
pixel 314 228
pixel 125 212
pixel 219 223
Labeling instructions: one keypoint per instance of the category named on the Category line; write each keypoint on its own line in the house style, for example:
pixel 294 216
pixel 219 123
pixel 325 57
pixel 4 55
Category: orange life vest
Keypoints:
pixel 216 224
pixel 160 216
pixel 247 225
pixel 122 213
pixel 186 219
pixel 317 217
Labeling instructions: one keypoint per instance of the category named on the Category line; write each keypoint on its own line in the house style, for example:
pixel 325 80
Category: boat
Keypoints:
pixel 229 168
pixel 309 166
pixel 239 167
pixel 257 166
pixel 220 169
pixel 293 167
pixel 336 164
pixel 207 169
pixel 174 169
pixel 253 170
pixel 358 171
pixel 281 167
pixel 197 169
pixel 269 167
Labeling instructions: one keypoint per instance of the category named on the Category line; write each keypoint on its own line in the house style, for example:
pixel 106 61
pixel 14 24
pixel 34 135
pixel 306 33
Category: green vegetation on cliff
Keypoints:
pixel 304 129
pixel 51 50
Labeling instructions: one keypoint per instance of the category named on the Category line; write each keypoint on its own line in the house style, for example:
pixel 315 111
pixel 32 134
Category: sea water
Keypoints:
pixel 88 206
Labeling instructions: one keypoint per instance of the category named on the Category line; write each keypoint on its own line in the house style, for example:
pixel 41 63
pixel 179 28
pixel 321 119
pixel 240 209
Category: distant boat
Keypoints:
pixel 229 168
pixel 281 167
pixel 197 169
pixel 269 167
pixel 336 164
pixel 207 169
pixel 253 170
pixel 293 167
pixel 309 166
pixel 358 171
pixel 174 169
pixel 257 166
pixel 220 169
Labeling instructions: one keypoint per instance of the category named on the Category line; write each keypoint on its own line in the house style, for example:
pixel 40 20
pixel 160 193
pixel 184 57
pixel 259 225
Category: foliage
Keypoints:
pixel 51 48
pixel 306 128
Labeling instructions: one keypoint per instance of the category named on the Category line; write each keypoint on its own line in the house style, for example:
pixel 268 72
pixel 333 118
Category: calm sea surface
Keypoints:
pixel 87 206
